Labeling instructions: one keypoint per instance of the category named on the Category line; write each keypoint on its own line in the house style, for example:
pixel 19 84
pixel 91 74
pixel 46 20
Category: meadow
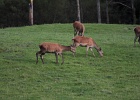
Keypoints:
pixel 115 76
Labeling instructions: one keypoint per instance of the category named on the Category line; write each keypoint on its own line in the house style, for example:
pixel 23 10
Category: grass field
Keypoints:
pixel 115 76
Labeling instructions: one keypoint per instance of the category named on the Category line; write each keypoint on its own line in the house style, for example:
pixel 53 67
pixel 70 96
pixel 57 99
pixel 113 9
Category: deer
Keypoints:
pixel 57 49
pixel 79 28
pixel 87 42
pixel 137 34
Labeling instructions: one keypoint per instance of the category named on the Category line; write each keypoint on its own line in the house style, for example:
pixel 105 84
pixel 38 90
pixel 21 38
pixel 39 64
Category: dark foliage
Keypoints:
pixel 16 12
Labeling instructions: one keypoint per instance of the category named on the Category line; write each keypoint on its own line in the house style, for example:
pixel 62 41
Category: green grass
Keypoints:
pixel 115 76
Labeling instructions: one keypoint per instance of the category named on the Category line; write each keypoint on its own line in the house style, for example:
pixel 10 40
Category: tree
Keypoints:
pixel 16 12
pixel 31 12
pixel 98 11
pixel 107 15
pixel 78 11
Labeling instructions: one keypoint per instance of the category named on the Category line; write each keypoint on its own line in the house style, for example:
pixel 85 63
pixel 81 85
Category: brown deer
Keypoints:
pixel 137 34
pixel 55 48
pixel 87 42
pixel 79 28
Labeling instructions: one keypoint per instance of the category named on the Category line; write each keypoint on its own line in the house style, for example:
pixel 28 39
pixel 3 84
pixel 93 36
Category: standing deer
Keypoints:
pixel 87 42
pixel 137 34
pixel 55 48
pixel 79 28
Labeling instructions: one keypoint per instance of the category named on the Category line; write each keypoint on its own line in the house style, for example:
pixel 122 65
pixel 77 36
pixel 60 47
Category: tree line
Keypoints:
pixel 16 12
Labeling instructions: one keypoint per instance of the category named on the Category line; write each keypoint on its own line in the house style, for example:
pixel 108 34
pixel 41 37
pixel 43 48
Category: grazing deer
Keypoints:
pixel 79 28
pixel 87 42
pixel 137 34
pixel 56 48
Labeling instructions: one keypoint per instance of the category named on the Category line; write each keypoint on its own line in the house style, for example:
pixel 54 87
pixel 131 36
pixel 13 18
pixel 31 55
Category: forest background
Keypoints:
pixel 16 12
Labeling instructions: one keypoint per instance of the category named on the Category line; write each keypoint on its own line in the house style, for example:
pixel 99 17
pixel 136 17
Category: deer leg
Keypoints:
pixel 62 59
pixel 37 57
pixel 56 55
pixel 92 51
pixel 87 51
pixel 79 33
pixel 75 32
pixel 74 44
pixel 73 54
pixel 139 40
pixel 38 53
pixel 82 34
pixel 135 40
pixel 41 57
